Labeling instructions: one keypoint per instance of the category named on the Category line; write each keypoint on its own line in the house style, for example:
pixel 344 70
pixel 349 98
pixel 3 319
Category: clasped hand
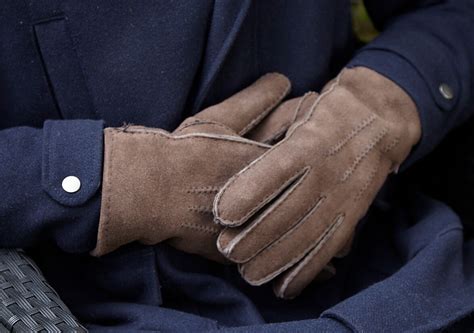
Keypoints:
pixel 276 187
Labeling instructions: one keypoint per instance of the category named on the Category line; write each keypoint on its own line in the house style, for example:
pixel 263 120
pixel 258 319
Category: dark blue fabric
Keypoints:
pixel 419 50
pixel 88 63
pixel 409 270
pixel 70 149
pixel 29 216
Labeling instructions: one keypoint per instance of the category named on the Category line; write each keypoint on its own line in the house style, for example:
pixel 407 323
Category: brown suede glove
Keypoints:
pixel 160 186
pixel 293 209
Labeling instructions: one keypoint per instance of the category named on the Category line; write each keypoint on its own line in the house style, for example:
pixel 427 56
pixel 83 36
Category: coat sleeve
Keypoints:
pixel 426 47
pixel 34 206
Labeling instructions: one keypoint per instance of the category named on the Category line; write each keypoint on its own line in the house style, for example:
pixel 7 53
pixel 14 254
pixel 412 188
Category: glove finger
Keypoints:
pixel 318 226
pixel 257 185
pixel 244 110
pixel 371 175
pixel 274 126
pixel 313 229
pixel 294 280
pixel 243 243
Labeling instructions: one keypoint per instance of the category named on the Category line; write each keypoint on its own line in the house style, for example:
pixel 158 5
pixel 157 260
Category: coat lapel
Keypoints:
pixel 226 22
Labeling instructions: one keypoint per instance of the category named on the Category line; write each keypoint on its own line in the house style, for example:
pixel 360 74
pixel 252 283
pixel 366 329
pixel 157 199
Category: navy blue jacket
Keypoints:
pixel 70 67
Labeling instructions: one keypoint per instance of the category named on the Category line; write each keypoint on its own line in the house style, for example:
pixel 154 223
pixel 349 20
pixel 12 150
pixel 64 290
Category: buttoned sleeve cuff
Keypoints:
pixel 432 84
pixel 72 160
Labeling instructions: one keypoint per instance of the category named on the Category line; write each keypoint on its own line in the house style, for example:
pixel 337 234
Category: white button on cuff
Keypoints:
pixel 71 184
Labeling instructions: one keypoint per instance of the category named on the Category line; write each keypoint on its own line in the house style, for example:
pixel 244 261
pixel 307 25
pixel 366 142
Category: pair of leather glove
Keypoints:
pixel 276 187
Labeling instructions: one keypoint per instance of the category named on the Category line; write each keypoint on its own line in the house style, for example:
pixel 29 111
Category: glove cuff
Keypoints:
pixel 122 215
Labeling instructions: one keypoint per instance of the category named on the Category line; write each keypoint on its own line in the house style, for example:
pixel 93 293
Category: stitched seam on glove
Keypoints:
pixel 355 131
pixel 266 111
pixel 261 203
pixel 203 190
pixel 237 222
pixel 363 155
pixel 288 234
pixel 369 180
pixel 200 228
pixel 279 133
pixel 194 136
pixel 249 231
pixel 325 236
pixel 203 122
pixel 328 233
pixel 200 209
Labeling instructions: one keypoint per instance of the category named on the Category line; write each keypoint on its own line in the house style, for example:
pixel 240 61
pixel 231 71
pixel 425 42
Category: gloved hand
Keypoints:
pixel 294 208
pixel 160 186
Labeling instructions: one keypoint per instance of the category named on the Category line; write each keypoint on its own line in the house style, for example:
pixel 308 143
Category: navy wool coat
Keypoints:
pixel 70 67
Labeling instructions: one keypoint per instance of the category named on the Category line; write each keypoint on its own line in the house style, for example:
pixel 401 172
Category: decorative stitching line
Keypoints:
pixel 189 122
pixel 318 101
pixel 355 131
pixel 203 122
pixel 293 260
pixel 376 168
pixel 374 142
pixel 203 189
pixel 155 132
pixel 391 145
pixel 231 181
pixel 328 233
pixel 395 165
pixel 259 204
pixel 300 104
pixel 265 217
pixel 200 209
pixel 267 110
pixel 300 217
pixel 288 124
pixel 369 180
pixel 193 136
pixel 277 134
pixel 200 228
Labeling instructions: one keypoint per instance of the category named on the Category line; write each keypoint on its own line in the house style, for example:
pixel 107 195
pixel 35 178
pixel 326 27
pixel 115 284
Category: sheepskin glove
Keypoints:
pixel 294 208
pixel 160 186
